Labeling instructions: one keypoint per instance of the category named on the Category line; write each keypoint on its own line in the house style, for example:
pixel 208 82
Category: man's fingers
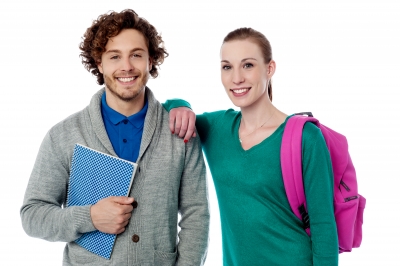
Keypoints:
pixel 120 231
pixel 112 214
pixel 128 208
pixel 127 216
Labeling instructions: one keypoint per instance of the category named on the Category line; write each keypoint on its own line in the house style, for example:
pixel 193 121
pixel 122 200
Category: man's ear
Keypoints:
pixel 100 67
pixel 150 64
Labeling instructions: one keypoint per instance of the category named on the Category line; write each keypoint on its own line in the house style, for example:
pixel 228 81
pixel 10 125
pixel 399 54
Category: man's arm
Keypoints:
pixel 194 208
pixel 43 213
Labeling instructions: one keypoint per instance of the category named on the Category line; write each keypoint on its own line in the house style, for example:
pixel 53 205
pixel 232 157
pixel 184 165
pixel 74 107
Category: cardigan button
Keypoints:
pixel 135 238
pixel 134 204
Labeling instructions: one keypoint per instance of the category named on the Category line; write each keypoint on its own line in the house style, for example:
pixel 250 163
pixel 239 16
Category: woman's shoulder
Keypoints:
pixel 311 129
pixel 207 122
pixel 312 135
pixel 220 115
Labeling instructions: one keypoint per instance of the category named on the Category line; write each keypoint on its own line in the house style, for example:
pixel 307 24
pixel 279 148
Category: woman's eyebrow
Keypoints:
pixel 244 59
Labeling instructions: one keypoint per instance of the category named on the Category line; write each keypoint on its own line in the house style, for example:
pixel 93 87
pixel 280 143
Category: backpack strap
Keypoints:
pixel 291 164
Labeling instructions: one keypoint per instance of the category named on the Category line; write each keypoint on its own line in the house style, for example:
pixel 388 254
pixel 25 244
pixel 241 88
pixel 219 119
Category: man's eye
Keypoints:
pixel 114 57
pixel 136 55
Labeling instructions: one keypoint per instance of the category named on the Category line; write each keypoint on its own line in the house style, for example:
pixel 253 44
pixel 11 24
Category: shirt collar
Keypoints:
pixel 114 117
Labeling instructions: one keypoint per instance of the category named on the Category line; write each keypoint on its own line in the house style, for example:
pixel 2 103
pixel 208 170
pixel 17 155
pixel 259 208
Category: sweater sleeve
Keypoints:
pixel 318 186
pixel 204 122
pixel 43 212
pixel 193 208
pixel 175 103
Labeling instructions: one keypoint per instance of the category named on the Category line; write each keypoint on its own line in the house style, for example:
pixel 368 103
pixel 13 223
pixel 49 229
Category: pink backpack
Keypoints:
pixel 348 204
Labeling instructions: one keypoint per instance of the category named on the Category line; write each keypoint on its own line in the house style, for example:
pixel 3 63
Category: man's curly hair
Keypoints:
pixel 110 25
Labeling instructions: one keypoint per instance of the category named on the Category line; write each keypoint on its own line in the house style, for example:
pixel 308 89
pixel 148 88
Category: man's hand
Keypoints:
pixel 182 122
pixel 111 215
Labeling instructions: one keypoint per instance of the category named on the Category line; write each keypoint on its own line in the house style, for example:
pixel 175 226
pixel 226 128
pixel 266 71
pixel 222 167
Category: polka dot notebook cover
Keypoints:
pixel 93 176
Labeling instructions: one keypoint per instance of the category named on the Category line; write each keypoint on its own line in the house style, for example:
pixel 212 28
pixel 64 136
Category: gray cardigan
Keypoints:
pixel 170 179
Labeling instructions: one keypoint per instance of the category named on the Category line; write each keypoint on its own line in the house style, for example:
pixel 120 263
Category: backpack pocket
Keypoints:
pixel 349 220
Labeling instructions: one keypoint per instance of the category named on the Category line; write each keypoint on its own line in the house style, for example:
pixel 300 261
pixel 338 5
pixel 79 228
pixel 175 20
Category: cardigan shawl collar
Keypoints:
pixel 150 122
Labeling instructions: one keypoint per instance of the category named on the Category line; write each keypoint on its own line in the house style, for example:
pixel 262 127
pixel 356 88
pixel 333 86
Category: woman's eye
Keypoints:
pixel 248 65
pixel 226 67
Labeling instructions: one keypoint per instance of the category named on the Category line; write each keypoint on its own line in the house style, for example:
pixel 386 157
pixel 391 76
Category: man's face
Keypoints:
pixel 125 65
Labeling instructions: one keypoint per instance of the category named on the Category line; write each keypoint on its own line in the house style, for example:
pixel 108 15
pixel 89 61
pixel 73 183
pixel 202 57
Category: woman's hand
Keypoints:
pixel 182 122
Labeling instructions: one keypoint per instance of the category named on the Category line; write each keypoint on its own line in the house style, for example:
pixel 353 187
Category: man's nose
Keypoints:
pixel 127 65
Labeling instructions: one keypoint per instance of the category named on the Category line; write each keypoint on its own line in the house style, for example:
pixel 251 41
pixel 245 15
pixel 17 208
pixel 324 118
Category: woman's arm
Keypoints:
pixel 181 118
pixel 184 122
pixel 318 186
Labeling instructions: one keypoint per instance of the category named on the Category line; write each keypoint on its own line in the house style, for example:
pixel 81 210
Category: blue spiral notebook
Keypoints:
pixel 93 176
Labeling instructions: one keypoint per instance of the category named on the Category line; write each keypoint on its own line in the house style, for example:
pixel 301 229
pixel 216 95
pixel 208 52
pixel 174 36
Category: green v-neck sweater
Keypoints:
pixel 258 226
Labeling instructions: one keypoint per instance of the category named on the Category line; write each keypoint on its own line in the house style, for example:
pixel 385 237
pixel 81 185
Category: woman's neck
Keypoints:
pixel 261 114
pixel 258 122
pixel 258 113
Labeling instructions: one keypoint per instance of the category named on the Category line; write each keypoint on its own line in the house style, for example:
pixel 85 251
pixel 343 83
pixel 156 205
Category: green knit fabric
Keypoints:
pixel 258 226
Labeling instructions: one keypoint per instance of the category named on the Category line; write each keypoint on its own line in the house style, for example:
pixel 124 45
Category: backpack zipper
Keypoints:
pixel 344 185
pixel 350 198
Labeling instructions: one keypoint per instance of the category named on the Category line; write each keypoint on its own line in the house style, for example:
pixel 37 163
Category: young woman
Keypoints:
pixel 243 152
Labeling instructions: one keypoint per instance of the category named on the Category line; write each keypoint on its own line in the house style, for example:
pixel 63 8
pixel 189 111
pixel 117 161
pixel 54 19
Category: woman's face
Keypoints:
pixel 244 73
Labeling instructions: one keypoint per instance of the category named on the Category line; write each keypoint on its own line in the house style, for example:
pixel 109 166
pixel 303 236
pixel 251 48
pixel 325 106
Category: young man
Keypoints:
pixel 125 120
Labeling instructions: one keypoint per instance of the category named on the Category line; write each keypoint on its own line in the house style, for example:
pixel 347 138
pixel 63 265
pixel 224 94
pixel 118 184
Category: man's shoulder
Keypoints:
pixel 70 123
pixel 80 118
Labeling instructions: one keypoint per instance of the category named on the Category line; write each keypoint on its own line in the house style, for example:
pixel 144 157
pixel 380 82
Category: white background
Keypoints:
pixel 339 59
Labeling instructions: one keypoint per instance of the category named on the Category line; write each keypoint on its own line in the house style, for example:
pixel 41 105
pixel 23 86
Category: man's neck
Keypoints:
pixel 126 108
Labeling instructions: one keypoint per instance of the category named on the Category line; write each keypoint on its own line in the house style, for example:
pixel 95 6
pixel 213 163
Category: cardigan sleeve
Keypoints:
pixel 193 208
pixel 175 103
pixel 318 186
pixel 43 214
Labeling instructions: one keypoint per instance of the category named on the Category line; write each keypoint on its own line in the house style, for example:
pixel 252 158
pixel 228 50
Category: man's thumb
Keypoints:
pixel 123 200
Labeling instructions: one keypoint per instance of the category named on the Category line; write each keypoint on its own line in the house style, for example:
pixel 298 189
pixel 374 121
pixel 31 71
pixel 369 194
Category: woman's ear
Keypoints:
pixel 271 68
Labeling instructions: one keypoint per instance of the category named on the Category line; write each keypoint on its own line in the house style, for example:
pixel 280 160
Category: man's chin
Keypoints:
pixel 128 96
pixel 127 93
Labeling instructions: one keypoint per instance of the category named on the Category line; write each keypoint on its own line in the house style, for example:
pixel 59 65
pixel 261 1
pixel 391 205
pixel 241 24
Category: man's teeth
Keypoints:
pixel 240 90
pixel 126 79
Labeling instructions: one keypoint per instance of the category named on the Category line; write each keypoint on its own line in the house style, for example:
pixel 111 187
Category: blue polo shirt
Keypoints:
pixel 125 133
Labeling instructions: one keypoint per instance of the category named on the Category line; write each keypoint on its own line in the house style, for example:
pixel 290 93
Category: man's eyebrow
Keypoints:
pixel 244 59
pixel 113 51
pixel 119 52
